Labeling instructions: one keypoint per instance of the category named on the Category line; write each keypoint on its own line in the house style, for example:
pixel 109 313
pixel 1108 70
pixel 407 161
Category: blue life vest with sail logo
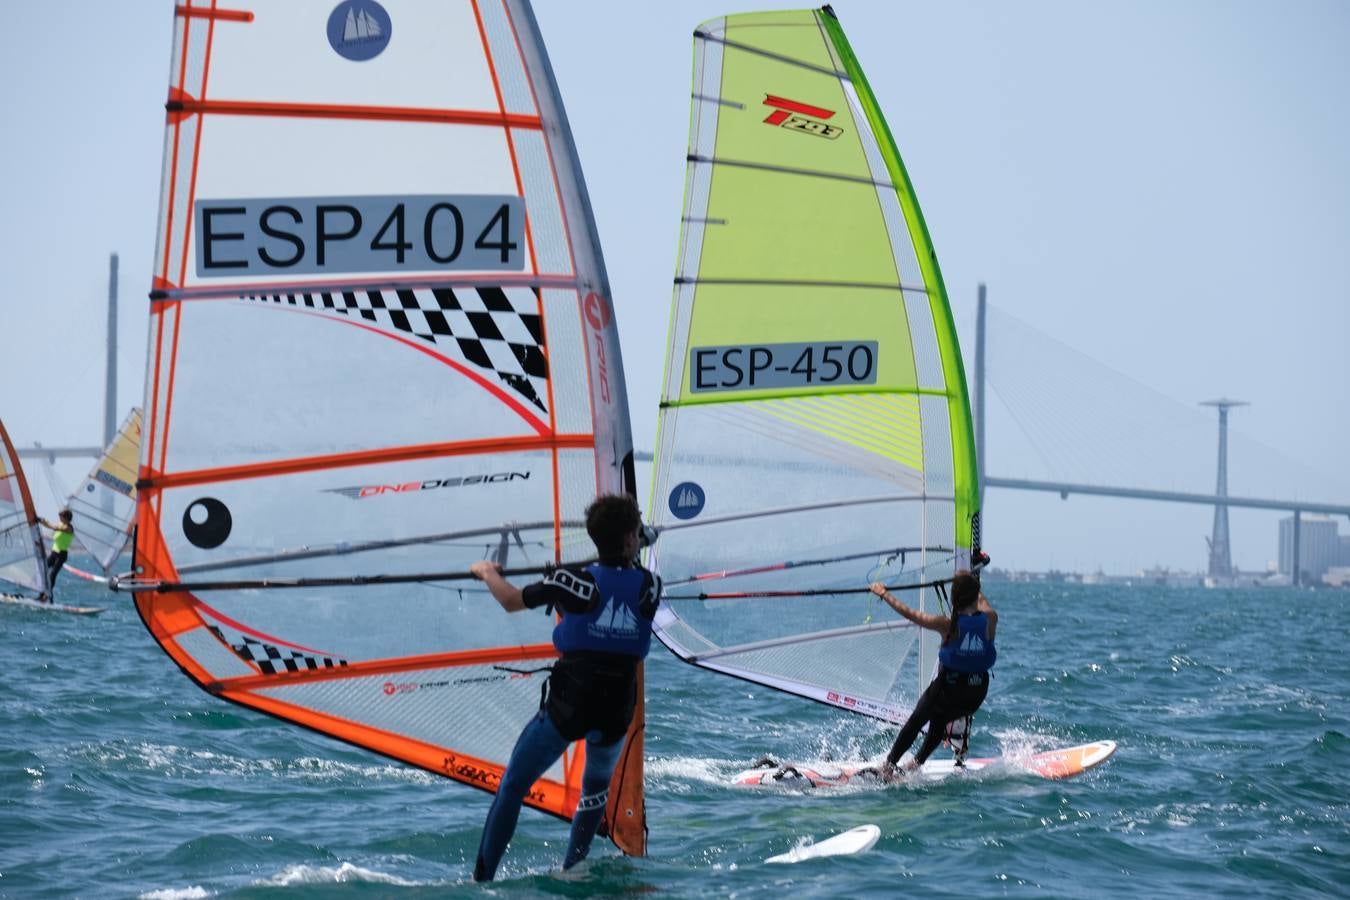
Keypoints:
pixel 614 623
pixel 971 651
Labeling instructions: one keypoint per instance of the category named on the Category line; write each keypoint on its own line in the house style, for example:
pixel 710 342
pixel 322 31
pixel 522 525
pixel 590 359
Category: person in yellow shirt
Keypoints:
pixel 62 536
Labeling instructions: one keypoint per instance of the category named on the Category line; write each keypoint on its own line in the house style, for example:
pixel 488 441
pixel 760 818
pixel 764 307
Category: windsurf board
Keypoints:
pixel 855 840
pixel 51 607
pixel 1065 762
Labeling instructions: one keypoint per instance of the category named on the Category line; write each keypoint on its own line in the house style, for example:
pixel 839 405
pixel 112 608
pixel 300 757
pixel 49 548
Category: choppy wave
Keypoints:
pixel 196 892
pixel 341 874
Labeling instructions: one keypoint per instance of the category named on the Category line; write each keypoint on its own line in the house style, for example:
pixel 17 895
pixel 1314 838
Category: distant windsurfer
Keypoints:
pixel 965 658
pixel 607 609
pixel 63 534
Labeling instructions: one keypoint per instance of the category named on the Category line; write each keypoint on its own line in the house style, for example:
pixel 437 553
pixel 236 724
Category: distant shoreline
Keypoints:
pixel 1156 578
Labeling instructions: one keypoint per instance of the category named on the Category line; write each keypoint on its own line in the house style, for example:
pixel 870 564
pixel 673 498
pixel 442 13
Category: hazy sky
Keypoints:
pixel 1164 186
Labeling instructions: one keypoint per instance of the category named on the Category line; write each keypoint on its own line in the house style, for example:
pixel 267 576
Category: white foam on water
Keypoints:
pixel 196 892
pixel 692 768
pixel 343 874
pixel 1018 743
pixel 315 769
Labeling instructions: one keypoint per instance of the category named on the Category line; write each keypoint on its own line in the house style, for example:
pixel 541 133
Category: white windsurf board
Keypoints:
pixel 1065 762
pixel 31 603
pixel 855 840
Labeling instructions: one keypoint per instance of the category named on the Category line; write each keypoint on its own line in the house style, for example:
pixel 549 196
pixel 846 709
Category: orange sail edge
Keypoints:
pixel 545 795
pixel 626 812
pixel 166 616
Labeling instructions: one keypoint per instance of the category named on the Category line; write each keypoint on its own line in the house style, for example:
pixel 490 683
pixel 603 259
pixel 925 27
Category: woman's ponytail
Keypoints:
pixel 965 593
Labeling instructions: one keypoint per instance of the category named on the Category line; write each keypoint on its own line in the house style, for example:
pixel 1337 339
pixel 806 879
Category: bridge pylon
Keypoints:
pixel 1220 557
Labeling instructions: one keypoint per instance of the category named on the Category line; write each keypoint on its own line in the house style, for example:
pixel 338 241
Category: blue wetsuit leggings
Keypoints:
pixel 539 747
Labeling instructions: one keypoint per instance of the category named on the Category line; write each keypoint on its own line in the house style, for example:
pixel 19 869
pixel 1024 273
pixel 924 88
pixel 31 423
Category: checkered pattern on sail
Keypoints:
pixel 272 659
pixel 493 328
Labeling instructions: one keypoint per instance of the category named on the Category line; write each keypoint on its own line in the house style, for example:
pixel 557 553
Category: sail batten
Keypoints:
pixel 374 456
pixel 384 347
pixel 813 407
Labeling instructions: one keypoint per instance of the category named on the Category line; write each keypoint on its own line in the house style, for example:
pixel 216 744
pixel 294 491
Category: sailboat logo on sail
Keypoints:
pixel 687 500
pixel 359 29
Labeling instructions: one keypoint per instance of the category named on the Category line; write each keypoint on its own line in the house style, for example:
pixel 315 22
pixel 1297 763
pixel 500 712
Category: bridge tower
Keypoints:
pixel 110 376
pixel 1220 559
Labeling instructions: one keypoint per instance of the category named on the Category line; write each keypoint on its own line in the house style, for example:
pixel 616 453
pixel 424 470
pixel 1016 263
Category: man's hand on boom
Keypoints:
pixel 503 591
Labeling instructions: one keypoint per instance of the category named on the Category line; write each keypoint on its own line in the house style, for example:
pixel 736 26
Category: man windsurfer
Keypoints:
pixel 62 536
pixel 607 609
pixel 962 681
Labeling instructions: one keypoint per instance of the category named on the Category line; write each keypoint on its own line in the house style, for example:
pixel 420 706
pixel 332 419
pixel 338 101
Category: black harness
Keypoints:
pixel 591 692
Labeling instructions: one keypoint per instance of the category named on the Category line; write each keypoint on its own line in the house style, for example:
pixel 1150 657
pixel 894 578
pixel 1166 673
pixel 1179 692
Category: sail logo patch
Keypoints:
pixel 597 311
pixel 687 500
pixel 207 523
pixel 390 688
pixel 598 316
pixel 431 484
pixel 359 29
pixel 857 703
pixel 801 117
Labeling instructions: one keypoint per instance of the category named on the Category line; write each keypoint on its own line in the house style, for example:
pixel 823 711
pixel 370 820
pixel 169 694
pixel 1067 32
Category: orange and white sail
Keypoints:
pixel 22 552
pixel 104 505
pixel 382 346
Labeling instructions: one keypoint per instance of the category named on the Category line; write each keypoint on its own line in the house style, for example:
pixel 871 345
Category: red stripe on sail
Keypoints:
pixel 251 632
pixel 805 109
pixel 367 668
pixel 345 111
pixel 225 15
pixel 518 444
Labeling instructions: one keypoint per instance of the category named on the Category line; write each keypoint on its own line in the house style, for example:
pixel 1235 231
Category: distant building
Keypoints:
pixel 1319 546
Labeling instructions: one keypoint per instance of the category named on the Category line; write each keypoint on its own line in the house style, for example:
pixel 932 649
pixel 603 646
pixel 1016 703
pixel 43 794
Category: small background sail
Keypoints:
pixel 104 504
pixel 381 345
pixel 815 430
pixel 22 553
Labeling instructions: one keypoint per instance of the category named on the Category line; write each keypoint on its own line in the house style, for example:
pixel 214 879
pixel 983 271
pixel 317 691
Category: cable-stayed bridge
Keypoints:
pixel 1097 432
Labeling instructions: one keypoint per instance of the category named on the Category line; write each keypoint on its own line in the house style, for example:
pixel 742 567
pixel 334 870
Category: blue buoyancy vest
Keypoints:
pixel 971 651
pixel 614 623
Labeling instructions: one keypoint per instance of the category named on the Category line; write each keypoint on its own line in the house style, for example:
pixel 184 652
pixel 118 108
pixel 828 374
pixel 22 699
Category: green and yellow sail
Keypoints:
pixel 815 430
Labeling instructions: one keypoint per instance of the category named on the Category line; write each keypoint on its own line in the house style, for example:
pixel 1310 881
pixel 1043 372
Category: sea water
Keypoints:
pixel 120 778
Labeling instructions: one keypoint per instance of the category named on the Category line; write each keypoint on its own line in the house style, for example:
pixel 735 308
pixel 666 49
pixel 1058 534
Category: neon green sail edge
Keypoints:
pixel 963 437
